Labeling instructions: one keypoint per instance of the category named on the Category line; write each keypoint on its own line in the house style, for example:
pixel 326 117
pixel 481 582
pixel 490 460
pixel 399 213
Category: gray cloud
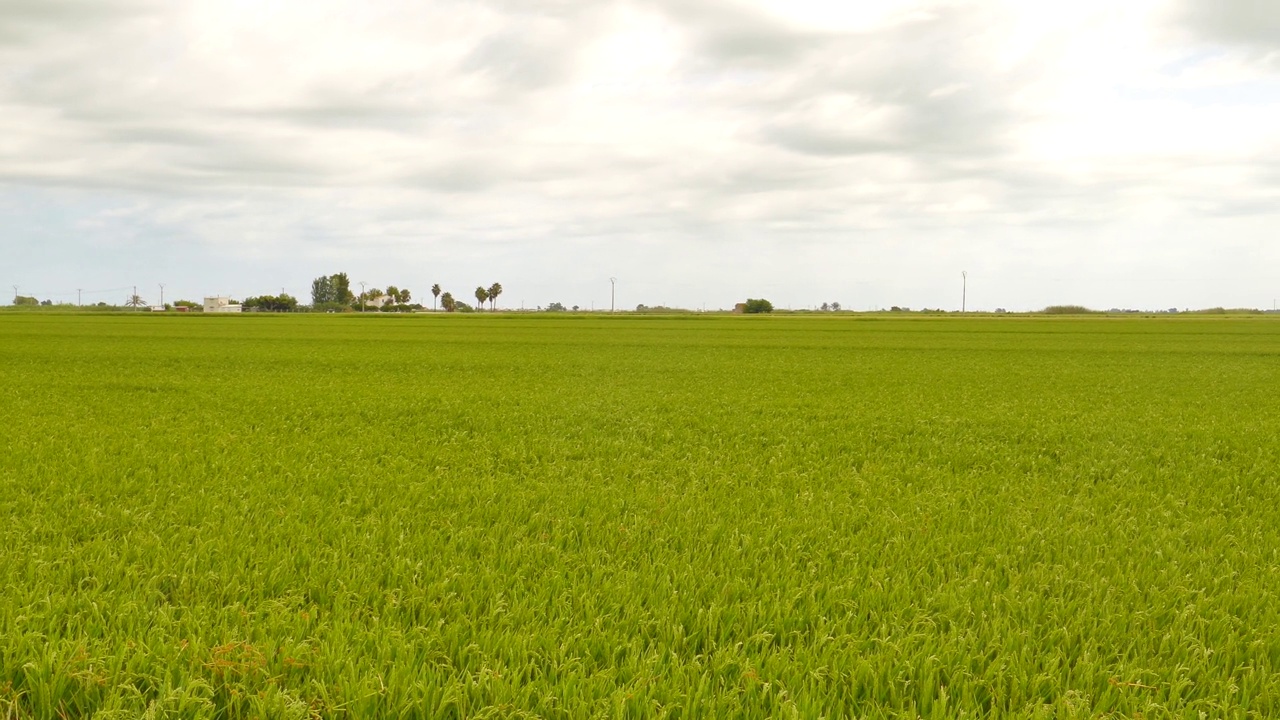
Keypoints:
pixel 550 135
pixel 524 58
pixel 25 21
pixel 727 33
pixel 1253 23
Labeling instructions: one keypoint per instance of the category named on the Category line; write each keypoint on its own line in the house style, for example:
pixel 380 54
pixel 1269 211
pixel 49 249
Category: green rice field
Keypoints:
pixel 563 516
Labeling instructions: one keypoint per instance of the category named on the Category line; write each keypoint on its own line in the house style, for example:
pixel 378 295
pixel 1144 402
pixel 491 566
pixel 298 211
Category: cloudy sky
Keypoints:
pixel 1096 152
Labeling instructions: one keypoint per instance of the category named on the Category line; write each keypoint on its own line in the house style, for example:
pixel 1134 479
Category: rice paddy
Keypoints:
pixel 566 516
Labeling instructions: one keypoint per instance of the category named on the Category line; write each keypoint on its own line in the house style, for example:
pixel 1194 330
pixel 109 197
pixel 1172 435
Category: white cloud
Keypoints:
pixel 859 151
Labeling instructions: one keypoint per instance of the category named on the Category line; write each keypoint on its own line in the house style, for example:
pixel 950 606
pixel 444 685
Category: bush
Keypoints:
pixel 758 306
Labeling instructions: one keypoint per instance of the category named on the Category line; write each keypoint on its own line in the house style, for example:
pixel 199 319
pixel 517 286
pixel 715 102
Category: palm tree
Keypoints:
pixel 435 293
pixel 481 296
pixel 446 301
pixel 494 291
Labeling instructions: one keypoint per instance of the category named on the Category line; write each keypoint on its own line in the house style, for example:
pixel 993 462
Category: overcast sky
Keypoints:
pixel 1096 152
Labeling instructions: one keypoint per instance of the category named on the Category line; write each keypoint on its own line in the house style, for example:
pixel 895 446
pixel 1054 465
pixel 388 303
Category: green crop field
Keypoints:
pixel 567 516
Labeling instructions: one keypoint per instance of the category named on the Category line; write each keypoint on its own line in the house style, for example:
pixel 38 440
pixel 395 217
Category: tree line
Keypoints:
pixel 333 293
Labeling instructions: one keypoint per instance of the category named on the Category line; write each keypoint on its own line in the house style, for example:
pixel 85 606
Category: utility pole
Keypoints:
pixel 134 299
pixel 964 289
pixel 15 294
pixel 613 292
pixel 363 299
pixel 78 291
pixel 161 294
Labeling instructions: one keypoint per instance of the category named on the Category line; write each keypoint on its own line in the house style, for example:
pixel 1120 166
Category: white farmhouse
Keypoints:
pixel 220 304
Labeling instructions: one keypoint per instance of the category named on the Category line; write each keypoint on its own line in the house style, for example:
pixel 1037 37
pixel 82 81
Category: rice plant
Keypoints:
pixel 635 517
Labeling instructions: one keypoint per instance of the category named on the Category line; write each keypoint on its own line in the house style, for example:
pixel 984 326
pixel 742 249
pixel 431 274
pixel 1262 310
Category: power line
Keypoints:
pixel 77 291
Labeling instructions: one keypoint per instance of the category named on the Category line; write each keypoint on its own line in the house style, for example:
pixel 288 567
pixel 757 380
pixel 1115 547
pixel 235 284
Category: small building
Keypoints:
pixel 220 304
pixel 740 308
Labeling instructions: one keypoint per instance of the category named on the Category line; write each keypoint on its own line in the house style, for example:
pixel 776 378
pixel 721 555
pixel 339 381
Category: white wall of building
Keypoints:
pixel 220 304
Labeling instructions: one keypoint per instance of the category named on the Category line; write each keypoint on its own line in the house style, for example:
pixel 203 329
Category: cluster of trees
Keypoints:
pixel 393 299
pixel 830 307
pixel 333 292
pixel 489 294
pixel 483 295
pixel 758 305
pixel 283 302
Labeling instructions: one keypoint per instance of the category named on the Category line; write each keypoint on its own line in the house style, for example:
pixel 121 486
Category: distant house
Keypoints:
pixel 220 304
pixel 740 308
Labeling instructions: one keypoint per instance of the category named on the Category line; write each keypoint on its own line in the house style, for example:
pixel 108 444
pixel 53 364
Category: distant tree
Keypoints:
pixel 447 302
pixel 575 308
pixel 322 291
pixel 24 300
pixel 482 296
pixel 758 305
pixel 331 290
pixel 393 293
pixel 47 303
pixel 271 303
pixel 494 291
pixel 135 301
pixel 435 293
pixel 405 297
pixel 190 305
pixel 835 307
pixel 555 307
pixel 341 288
pixel 825 307
pixel 459 306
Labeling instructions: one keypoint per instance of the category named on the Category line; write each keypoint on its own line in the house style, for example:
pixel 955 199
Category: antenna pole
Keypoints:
pixel 964 289
pixel 613 292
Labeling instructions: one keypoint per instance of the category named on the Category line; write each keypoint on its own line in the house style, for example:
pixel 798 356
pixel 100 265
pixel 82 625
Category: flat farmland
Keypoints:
pixel 567 516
